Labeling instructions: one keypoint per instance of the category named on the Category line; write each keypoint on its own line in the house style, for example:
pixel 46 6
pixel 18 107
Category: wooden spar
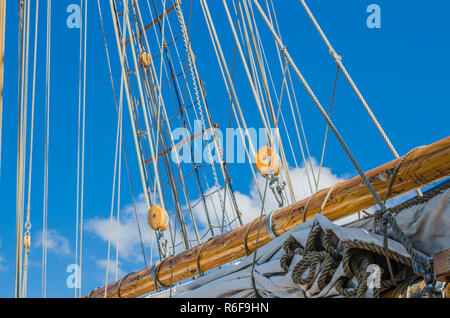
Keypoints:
pixel 421 167
pixel 2 56
pixel 151 24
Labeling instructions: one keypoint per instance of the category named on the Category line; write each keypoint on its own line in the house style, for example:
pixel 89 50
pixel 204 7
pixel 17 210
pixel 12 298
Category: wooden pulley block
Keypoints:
pixel 27 242
pixel 158 218
pixel 145 60
pixel 268 162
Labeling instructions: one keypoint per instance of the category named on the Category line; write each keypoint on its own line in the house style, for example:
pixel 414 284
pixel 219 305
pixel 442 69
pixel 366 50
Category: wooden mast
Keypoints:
pixel 2 55
pixel 421 167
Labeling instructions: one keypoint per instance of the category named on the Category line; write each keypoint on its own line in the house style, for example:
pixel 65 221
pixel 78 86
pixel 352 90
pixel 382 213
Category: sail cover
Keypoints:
pixel 425 224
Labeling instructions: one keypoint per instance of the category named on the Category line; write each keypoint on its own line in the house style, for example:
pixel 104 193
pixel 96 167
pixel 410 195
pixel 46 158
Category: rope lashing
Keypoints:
pixel 322 207
pixel 420 264
pixel 319 252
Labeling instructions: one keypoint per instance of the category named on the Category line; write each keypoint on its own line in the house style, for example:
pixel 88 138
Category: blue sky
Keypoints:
pixel 401 69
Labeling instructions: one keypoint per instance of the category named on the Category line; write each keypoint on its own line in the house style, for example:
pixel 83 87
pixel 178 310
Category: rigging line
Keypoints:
pixel 161 237
pixel 123 62
pixel 294 117
pixel 279 100
pixel 46 151
pixel 338 60
pixel 83 147
pixel 257 237
pixel 144 106
pixel 320 108
pixel 147 90
pixel 2 52
pixel 119 181
pixel 28 223
pixel 282 152
pixel 161 102
pixel 231 92
pixel 260 50
pixel 255 94
pixel 196 79
pixel 18 227
pixel 77 229
pixel 21 147
pixel 247 70
pixel 197 96
pixel 113 192
pixel 122 141
pixel 326 132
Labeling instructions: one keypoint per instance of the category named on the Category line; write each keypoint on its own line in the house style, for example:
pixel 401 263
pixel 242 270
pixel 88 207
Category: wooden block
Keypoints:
pixel 442 265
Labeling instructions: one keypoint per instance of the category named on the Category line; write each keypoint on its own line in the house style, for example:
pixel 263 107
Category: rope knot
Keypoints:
pixel 336 56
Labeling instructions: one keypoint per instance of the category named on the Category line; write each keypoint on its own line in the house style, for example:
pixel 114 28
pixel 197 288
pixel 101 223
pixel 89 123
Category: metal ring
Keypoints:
pixel 247 251
pixel 120 285
pixel 154 272
pixel 268 225
pixel 200 272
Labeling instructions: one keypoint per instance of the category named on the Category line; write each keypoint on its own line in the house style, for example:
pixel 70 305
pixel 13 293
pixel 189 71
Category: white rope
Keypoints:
pixel 2 52
pixel 47 128
pixel 229 84
pixel 113 192
pixel 81 157
pixel 119 184
pixel 28 223
pixel 294 117
pixel 77 230
pixel 21 147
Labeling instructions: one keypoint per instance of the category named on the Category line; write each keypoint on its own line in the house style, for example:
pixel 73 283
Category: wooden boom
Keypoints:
pixel 420 168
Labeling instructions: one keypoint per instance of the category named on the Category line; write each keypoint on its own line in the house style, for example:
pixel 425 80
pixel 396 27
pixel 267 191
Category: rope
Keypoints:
pixel 2 53
pixel 231 92
pixel 338 60
pixel 322 207
pixel 123 144
pixel 321 259
pixel 47 123
pixel 27 235
pixel 112 201
pixel 197 95
pixel 387 218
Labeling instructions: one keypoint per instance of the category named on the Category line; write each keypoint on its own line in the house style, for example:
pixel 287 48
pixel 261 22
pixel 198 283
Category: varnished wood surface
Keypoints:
pixel 421 167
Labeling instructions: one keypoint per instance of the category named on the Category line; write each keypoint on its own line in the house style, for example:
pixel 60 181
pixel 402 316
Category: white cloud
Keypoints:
pixel 250 204
pixel 111 269
pixel 3 266
pixel 56 243
pixel 128 234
